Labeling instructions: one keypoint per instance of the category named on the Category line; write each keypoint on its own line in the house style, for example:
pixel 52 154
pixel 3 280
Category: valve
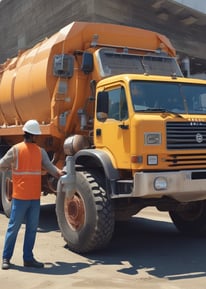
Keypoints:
pixel 67 182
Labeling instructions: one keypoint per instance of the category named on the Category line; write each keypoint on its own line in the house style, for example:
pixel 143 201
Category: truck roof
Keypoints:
pixel 78 36
pixel 81 35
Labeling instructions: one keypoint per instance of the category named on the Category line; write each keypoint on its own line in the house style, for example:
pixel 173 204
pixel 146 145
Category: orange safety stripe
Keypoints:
pixel 26 172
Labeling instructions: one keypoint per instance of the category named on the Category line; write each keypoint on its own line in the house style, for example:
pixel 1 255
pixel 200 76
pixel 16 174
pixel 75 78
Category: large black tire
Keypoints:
pixel 3 149
pixel 192 219
pixel 6 192
pixel 86 221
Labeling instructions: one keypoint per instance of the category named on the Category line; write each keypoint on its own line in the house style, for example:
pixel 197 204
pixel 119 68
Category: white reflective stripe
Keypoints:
pixel 16 165
pixel 26 173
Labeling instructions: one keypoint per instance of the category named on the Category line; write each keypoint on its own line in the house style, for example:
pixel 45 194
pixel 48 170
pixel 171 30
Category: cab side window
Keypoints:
pixel 117 104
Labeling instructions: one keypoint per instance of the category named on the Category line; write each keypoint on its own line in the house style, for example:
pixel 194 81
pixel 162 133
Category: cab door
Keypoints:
pixel 112 126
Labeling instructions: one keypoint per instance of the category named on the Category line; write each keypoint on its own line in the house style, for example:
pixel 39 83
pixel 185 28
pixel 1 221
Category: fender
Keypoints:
pixel 92 158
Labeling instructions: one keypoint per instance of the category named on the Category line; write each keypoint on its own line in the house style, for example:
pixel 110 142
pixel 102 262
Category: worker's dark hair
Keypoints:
pixel 28 136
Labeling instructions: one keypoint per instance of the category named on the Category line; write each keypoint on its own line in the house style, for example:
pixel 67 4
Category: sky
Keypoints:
pixel 199 5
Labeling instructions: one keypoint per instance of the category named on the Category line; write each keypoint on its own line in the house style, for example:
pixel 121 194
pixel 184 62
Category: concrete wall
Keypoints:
pixel 25 22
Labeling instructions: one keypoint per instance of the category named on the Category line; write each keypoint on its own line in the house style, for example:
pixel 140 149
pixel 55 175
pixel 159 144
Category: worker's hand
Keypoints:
pixel 60 173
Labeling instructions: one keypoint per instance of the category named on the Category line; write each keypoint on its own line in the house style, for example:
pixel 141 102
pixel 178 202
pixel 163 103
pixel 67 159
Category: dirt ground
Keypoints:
pixel 145 253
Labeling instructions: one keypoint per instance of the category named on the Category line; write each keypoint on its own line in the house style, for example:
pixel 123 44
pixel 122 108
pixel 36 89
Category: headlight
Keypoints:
pixel 152 138
pixel 160 183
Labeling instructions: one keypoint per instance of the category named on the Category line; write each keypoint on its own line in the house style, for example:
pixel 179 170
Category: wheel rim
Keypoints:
pixel 74 211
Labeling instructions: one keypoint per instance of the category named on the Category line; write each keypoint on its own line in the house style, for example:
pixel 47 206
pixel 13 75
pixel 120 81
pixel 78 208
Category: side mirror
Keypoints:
pixel 87 62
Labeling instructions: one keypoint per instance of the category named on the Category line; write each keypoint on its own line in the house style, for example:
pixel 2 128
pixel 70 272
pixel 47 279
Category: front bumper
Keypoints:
pixel 183 186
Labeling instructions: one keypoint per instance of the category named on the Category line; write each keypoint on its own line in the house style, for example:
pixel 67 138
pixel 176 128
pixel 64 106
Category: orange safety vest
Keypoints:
pixel 26 171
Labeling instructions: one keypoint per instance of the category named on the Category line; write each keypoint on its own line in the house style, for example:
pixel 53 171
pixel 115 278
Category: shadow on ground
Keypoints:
pixel 156 247
pixel 47 219
pixel 139 244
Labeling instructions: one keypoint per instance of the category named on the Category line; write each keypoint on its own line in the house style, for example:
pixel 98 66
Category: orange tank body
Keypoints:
pixel 28 88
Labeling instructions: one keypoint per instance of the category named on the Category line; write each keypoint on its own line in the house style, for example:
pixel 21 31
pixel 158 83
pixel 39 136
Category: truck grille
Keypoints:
pixel 186 135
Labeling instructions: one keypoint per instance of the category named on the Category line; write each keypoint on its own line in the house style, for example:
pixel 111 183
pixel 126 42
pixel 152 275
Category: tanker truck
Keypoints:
pixel 121 152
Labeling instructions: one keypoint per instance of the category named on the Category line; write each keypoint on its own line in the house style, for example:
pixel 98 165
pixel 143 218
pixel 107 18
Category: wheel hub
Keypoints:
pixel 74 212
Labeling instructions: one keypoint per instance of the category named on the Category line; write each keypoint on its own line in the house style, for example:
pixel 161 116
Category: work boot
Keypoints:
pixel 5 264
pixel 34 264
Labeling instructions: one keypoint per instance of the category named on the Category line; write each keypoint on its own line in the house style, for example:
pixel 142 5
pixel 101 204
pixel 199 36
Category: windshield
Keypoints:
pixel 112 63
pixel 171 97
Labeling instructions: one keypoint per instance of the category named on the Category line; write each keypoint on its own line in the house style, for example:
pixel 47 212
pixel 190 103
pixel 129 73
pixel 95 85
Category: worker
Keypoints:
pixel 26 160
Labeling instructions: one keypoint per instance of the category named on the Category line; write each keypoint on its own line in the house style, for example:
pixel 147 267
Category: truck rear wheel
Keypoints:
pixel 86 220
pixel 6 192
pixel 192 219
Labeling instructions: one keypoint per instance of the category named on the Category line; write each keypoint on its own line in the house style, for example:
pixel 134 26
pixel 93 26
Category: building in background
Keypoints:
pixel 25 22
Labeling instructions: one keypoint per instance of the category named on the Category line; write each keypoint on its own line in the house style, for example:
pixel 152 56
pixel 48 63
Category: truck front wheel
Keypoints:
pixel 86 220
pixel 191 219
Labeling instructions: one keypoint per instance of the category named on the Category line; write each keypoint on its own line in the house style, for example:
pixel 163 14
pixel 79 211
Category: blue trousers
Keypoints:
pixel 22 211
